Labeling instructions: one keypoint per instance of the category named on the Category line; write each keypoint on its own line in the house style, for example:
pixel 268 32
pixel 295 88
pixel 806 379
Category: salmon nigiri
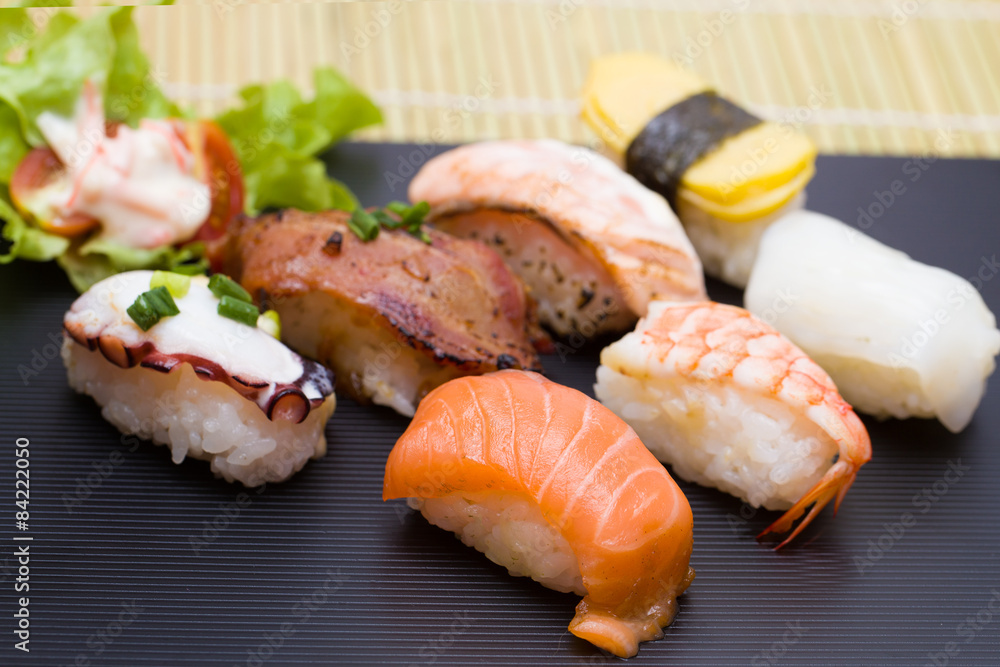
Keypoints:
pixel 551 484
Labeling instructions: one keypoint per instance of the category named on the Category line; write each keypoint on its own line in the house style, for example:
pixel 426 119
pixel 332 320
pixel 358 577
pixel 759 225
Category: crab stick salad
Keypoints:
pixel 140 187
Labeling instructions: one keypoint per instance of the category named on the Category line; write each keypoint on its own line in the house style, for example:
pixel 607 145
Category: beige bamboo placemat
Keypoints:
pixel 860 76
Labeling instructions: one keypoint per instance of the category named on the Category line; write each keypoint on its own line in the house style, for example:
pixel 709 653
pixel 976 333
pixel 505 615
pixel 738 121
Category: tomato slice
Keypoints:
pixel 38 169
pixel 217 166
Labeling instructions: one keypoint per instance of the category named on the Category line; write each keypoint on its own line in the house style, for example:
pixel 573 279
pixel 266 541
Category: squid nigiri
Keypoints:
pixel 731 403
pixel 550 484
pixel 593 246
pixel 727 173
pixel 900 338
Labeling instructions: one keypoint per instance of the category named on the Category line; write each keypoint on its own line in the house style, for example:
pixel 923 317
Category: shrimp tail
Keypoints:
pixel 835 482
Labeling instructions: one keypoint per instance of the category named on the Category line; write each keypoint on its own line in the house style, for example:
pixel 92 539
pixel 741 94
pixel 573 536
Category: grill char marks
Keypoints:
pixel 452 303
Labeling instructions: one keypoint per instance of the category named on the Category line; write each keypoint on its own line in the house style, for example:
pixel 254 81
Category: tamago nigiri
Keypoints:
pixel 727 173
pixel 551 484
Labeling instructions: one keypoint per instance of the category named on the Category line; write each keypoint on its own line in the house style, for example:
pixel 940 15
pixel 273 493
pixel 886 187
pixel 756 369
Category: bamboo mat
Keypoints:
pixel 860 76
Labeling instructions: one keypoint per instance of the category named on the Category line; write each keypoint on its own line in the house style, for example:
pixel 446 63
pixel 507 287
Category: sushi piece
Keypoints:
pixel 199 382
pixel 394 317
pixel 727 173
pixel 731 403
pixel 900 338
pixel 593 246
pixel 551 485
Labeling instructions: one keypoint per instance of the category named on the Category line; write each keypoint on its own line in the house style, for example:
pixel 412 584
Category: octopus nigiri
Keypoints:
pixel 550 484
pixel 394 317
pixel 731 403
pixel 593 246
pixel 206 385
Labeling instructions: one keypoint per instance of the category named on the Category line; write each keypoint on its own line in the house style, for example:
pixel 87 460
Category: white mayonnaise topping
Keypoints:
pixel 140 184
pixel 248 352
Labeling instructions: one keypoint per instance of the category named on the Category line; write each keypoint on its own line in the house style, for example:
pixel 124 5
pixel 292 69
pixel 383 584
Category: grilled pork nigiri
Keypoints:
pixel 394 317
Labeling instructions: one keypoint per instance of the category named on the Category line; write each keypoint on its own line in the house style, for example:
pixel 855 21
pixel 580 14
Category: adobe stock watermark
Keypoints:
pixel 968 630
pixel 101 470
pixel 957 297
pixel 212 529
pixel 554 18
pixel 902 12
pixel 922 503
pixel 32 23
pixel 913 170
pixel 768 489
pixel 100 640
pixel 41 357
pixel 430 651
pixel 451 118
pixel 790 123
pixel 694 45
pixel 773 654
pixel 301 612
pixel 372 28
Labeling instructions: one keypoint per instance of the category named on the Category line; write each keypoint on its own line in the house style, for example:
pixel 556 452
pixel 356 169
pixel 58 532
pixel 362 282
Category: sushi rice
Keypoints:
pixel 755 448
pixel 197 418
pixel 209 387
pixel 511 531
pixel 728 249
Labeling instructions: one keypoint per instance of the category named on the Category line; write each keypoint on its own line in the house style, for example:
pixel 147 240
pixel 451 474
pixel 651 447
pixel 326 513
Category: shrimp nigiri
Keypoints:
pixel 731 403
pixel 551 484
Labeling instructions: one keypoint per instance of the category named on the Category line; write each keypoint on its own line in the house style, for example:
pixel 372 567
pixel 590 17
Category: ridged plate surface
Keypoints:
pixel 136 561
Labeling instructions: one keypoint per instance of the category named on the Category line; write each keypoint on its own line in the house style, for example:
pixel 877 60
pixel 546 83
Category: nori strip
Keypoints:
pixel 679 137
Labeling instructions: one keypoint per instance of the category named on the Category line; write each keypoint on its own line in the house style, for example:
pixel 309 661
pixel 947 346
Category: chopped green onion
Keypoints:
pixel 192 269
pixel 270 322
pixel 150 307
pixel 223 286
pixel 414 217
pixel 175 283
pixel 363 224
pixel 398 207
pixel 386 220
pixel 366 225
pixel 241 311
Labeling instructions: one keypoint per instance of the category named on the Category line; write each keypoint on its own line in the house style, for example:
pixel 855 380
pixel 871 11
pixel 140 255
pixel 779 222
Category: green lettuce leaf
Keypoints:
pixel 98 259
pixel 24 241
pixel 13 145
pixel 133 91
pixel 277 136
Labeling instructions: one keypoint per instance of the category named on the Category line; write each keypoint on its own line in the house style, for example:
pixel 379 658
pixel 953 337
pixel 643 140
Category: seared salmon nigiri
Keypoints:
pixel 591 243
pixel 394 317
pixel 551 484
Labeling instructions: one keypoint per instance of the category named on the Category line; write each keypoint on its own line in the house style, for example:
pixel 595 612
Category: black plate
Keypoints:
pixel 138 561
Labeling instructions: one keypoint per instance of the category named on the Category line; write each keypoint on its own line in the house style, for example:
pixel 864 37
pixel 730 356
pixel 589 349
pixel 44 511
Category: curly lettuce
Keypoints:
pixel 277 137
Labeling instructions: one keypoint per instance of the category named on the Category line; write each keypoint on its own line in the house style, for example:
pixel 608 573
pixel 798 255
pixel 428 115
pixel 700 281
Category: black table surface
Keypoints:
pixel 137 561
